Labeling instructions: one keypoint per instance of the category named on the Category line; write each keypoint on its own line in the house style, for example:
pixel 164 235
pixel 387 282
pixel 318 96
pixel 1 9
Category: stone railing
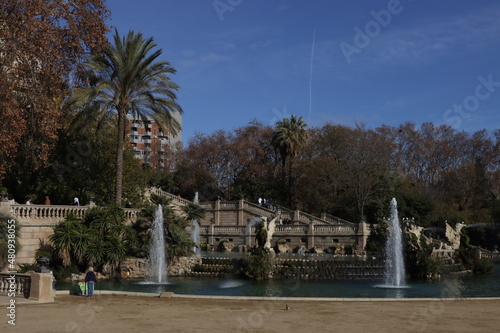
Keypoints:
pixel 131 214
pixel 22 284
pixel 229 230
pixel 494 256
pixel 256 209
pixel 208 205
pixel 328 229
pixel 231 205
pixel 307 218
pixel 282 229
pixel 334 220
pixel 51 214
pixel 176 200
pixel 291 229
pixel 46 213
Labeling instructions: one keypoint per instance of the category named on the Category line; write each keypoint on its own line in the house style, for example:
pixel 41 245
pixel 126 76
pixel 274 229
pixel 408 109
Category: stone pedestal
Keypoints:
pixel 41 287
pixel 5 207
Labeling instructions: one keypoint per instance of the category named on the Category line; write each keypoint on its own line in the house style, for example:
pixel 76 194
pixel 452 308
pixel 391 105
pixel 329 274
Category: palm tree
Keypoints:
pixel 127 79
pixel 289 138
pixel 70 239
pixel 193 211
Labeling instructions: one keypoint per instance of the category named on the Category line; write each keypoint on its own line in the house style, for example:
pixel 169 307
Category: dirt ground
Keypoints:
pixel 112 313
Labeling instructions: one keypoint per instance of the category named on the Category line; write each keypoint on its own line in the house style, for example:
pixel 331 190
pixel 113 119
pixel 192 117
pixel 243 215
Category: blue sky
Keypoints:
pixel 369 61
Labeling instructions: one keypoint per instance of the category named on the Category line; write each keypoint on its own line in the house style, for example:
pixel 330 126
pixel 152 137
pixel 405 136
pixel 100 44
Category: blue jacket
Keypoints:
pixel 90 277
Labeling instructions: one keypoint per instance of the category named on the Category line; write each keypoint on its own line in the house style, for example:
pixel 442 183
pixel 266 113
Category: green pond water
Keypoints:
pixel 451 287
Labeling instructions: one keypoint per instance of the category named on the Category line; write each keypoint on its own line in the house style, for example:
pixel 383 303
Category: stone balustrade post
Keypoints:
pixel 248 238
pixel 217 212
pixel 363 233
pixel 323 216
pixel 240 221
pixel 41 287
pixel 296 215
pixel 310 234
pixel 211 234
pixel 5 207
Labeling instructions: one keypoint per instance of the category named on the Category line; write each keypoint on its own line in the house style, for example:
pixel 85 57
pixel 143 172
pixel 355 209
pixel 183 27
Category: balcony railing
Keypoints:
pixel 21 287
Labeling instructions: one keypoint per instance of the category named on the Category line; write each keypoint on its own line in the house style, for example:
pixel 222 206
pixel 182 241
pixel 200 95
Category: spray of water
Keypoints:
pixel 157 258
pixel 394 264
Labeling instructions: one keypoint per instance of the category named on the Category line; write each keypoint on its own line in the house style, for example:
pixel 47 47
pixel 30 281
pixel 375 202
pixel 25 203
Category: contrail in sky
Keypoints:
pixel 311 75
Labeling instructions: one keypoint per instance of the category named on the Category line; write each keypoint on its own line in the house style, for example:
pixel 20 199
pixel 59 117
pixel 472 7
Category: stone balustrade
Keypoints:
pixel 229 205
pixel 232 230
pixel 22 284
pixel 46 214
pixel 494 256
pixel 334 220
pixel 291 229
pixel 176 200
pixel 328 229
pixel 258 210
pixel 53 214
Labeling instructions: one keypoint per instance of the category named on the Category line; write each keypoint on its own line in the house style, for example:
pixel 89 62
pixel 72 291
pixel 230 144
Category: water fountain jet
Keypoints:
pixel 157 257
pixel 394 262
pixel 195 231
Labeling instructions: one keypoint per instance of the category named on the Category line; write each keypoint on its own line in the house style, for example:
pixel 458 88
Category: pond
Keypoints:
pixel 451 287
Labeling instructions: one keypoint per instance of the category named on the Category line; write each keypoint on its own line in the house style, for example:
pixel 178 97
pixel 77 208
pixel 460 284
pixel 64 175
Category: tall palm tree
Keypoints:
pixel 127 79
pixel 289 138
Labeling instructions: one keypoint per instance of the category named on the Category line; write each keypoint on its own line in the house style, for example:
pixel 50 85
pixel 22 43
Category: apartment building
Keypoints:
pixel 150 143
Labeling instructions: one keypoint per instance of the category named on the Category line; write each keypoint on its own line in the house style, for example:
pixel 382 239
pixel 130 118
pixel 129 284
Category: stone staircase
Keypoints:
pixel 249 209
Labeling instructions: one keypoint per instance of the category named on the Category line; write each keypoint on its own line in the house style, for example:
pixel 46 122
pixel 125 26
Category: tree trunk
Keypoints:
pixel 119 157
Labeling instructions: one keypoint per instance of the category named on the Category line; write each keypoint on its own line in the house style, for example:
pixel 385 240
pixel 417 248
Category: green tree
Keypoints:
pixel 83 165
pixel 127 79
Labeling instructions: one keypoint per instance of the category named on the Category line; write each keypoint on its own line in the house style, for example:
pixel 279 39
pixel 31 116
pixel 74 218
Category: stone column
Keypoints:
pixel 310 235
pixel 211 234
pixel 240 212
pixel 363 233
pixel 323 216
pixel 5 207
pixel 41 287
pixel 217 212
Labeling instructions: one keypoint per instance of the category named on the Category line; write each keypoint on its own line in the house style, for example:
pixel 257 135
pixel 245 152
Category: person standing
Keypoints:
pixel 76 202
pixel 90 279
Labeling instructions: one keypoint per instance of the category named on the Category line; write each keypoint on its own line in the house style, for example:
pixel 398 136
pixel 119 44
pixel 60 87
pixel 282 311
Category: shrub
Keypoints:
pixel 259 265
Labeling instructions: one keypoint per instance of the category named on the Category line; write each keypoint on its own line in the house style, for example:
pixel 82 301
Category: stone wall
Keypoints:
pixel 133 268
pixel 182 265
pixel 302 269
pixel 137 268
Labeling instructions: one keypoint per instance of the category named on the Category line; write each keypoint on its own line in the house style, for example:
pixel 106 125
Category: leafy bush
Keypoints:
pixel 259 265
pixel 375 243
pixel 470 259
pixel 100 239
